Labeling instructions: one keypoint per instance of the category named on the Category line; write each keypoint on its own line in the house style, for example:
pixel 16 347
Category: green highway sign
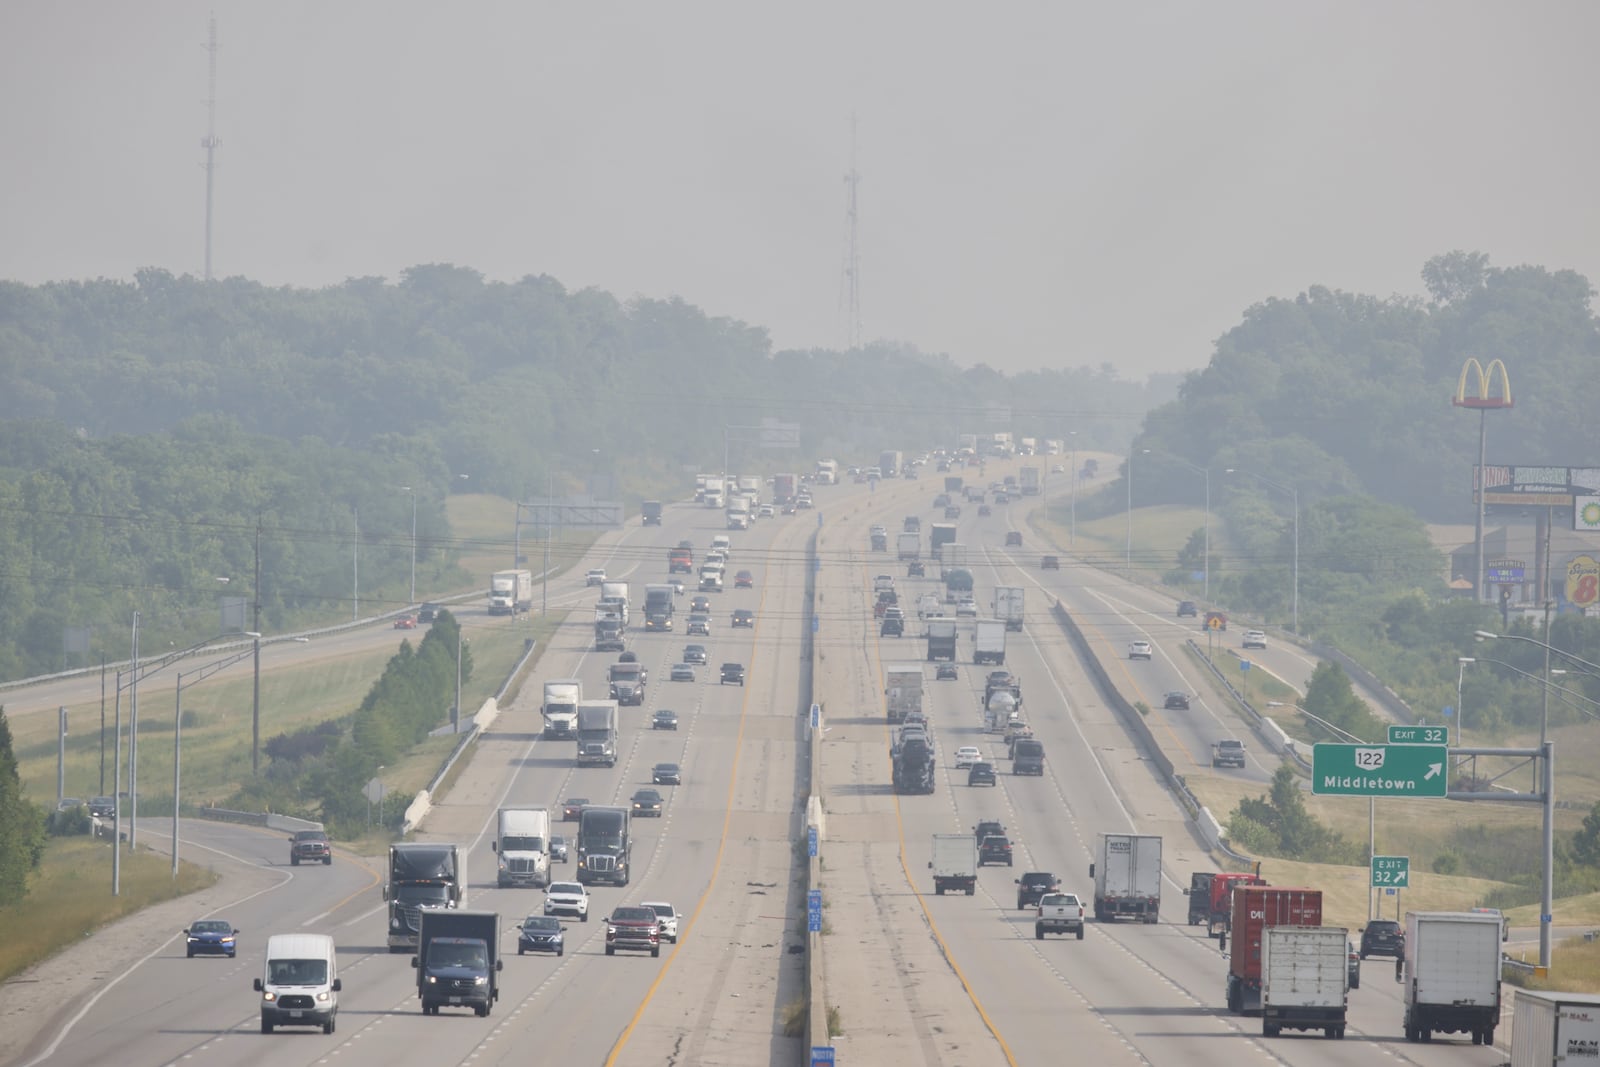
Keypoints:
pixel 1419 735
pixel 1379 770
pixel 1391 871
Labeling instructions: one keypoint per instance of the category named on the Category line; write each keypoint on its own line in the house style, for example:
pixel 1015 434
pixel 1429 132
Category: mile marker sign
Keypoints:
pixel 1379 770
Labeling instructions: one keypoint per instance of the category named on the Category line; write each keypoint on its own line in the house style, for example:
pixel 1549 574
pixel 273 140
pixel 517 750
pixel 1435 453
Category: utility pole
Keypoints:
pixel 255 694
pixel 850 297
pixel 210 142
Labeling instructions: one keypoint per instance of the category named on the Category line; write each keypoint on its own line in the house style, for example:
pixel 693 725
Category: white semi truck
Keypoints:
pixel 1127 877
pixel 522 847
pixel 510 592
pixel 560 708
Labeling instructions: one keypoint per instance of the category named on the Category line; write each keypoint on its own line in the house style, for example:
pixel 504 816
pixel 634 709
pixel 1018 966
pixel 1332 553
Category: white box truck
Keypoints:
pixel 1552 1029
pixel 1451 975
pixel 522 847
pixel 954 864
pixel 510 592
pixel 1030 481
pixel 1305 979
pixel 1127 877
pixel 989 641
pixel 902 690
pixel 1008 606
pixel 908 545
pixel 560 707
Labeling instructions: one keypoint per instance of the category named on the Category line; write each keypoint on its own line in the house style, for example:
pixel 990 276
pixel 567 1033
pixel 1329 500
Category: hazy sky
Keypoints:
pixel 1042 184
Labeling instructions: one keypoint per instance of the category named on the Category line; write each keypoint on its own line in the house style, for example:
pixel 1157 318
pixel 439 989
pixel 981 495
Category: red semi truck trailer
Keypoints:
pixel 1256 907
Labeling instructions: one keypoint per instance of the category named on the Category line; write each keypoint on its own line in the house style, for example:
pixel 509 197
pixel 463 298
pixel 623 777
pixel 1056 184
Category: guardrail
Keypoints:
pixel 482 719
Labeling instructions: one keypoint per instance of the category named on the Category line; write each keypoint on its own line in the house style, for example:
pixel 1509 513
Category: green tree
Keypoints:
pixel 1586 844
pixel 22 825
pixel 1330 697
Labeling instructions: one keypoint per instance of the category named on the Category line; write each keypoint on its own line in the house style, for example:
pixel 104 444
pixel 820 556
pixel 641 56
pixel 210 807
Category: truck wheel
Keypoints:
pixel 327 861
pixel 655 952
pixel 294 861
pixel 1038 932
pixel 481 1009
pixel 1488 1035
pixel 1268 1030
pixel 938 890
pixel 971 890
pixel 1080 933
pixel 266 1027
pixel 329 1026
pixel 585 917
pixel 611 950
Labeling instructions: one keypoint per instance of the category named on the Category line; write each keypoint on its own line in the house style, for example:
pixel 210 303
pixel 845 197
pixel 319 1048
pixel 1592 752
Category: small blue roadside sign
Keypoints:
pixel 811 841
pixel 816 716
pixel 1244 665
pixel 822 1056
pixel 814 911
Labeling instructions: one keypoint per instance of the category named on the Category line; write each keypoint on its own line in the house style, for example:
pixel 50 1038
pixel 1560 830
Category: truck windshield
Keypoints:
pixel 469 954
pixel 423 896
pixel 522 844
pixel 297 972
pixel 602 832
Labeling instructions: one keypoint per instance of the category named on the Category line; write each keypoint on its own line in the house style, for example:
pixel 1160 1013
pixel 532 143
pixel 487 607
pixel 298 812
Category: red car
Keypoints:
pixel 573 808
pixel 406 622
pixel 744 580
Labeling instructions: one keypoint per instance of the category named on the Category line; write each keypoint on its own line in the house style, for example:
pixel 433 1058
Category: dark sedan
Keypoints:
pixel 541 933
pixel 648 803
pixel 1176 701
pixel 666 774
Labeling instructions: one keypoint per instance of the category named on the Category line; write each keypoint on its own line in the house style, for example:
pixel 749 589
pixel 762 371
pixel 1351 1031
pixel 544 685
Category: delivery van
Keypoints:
pixel 299 985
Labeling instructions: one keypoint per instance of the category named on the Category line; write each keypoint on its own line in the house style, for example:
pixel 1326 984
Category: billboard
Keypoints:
pixel 1537 486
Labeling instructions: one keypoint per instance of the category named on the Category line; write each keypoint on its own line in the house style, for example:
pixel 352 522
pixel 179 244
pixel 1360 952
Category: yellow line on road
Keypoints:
pixel 722 843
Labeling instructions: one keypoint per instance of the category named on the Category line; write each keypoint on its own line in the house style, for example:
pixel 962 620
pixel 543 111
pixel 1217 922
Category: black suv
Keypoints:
pixel 1383 937
pixel 1033 885
pixel 1176 701
pixel 981 773
pixel 995 849
pixel 987 827
pixel 732 672
pixel 1187 609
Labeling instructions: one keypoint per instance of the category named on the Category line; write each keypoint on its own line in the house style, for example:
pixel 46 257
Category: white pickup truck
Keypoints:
pixel 1058 913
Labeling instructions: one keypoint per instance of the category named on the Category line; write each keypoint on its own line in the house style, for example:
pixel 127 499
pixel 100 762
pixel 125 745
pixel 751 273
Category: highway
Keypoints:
pixel 916 977
pixel 1127 993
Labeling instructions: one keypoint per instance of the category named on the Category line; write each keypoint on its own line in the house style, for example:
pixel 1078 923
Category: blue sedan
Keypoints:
pixel 211 937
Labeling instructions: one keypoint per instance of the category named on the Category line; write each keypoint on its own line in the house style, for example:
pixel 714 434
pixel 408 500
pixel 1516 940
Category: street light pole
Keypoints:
pixel 1128 560
pixel 1072 531
pixel 413 492
pixel 1461 715
pixel 1294 495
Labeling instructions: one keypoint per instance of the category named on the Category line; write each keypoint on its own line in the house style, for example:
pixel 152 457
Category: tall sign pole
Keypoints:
pixel 1473 391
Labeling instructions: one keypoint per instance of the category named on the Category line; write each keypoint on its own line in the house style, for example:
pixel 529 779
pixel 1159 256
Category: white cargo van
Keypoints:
pixel 299 985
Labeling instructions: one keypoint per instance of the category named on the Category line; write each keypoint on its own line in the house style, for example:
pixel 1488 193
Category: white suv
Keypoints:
pixel 1254 639
pixel 1140 650
pixel 666 919
pixel 567 898
pixel 595 577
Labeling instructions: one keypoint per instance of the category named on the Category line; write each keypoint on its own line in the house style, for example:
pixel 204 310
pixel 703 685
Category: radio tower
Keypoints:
pixel 850 296
pixel 210 141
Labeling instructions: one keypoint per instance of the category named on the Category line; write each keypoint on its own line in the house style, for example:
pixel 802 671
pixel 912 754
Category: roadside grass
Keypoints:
pixel 69 897
pixel 1574 968
pixel 216 732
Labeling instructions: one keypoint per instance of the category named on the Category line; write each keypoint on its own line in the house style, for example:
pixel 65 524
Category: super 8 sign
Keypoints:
pixel 1583 581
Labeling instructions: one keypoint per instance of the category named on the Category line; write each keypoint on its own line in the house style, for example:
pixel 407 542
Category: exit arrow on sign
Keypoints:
pixel 1433 769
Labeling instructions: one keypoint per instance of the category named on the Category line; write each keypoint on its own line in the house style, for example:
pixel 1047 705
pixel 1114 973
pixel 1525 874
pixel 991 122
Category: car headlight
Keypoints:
pixel 192 940
pixel 323 996
pixel 480 980
pixel 269 996
pixel 432 979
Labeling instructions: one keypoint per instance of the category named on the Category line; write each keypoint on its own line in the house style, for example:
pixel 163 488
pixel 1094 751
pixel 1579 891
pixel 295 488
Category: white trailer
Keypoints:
pixel 1030 481
pixel 1551 1029
pixel 989 641
pixel 1305 979
pixel 902 690
pixel 1008 605
pixel 1451 975
pixel 908 545
pixel 954 863
pixel 1127 877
